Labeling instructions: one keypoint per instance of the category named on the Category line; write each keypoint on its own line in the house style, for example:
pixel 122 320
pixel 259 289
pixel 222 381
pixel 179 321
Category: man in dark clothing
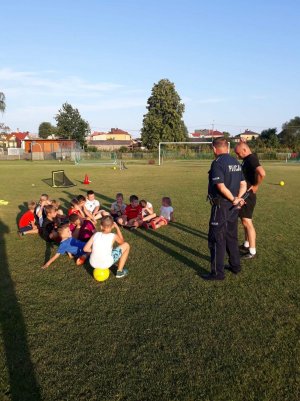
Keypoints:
pixel 225 189
pixel 254 174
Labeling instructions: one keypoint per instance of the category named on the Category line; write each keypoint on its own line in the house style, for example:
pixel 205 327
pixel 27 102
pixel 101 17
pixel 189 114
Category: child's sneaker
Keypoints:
pixel 80 261
pixel 122 273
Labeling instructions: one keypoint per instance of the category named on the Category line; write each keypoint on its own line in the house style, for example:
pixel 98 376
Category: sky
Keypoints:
pixel 235 64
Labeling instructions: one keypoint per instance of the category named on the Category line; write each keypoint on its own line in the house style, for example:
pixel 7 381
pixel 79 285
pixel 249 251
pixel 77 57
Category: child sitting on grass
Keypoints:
pixel 40 212
pixel 166 214
pixel 69 245
pixel 75 208
pixel 92 205
pixel 118 207
pixel 132 217
pixel 82 230
pixel 103 255
pixel 147 212
pixel 49 228
pixel 27 221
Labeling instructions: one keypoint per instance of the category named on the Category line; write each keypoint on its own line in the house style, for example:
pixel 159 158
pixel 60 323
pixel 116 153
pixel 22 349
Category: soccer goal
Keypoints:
pixel 162 154
pixel 60 180
pixel 96 159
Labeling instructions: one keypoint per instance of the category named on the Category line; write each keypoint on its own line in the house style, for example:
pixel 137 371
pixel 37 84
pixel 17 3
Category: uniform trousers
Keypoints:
pixel 223 237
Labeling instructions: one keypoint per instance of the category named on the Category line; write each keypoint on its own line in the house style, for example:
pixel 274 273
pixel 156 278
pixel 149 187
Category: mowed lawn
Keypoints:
pixel 162 333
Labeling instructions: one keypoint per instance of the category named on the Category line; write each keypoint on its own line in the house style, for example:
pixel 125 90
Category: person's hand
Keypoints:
pixel 238 202
pixel 45 266
pixel 253 188
pixel 115 225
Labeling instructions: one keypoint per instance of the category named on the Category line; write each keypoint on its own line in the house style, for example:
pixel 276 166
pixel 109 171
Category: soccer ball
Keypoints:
pixel 115 168
pixel 33 185
pixel 101 274
pixel 281 183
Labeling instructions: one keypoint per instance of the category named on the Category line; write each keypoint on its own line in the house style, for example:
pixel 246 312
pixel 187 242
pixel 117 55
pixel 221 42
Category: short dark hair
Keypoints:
pixel 220 142
pixel 81 198
pixel 90 192
pixel 73 217
pixel 133 198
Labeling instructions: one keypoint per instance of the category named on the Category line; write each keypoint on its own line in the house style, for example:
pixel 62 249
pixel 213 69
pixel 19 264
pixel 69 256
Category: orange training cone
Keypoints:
pixel 86 180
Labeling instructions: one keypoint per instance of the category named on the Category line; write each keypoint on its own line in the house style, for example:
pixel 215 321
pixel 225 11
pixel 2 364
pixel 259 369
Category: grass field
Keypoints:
pixel 162 333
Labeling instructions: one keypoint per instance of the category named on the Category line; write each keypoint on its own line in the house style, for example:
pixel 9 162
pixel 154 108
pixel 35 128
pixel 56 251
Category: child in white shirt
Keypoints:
pixel 166 214
pixel 103 255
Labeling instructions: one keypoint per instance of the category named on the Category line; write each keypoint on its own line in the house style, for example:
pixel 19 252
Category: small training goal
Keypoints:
pixel 60 180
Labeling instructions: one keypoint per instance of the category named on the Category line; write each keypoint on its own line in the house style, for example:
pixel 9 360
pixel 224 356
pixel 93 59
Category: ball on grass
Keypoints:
pixel 33 185
pixel 101 274
pixel 115 168
pixel 281 183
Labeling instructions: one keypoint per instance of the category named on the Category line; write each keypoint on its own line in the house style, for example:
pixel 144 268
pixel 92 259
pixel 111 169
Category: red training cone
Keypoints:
pixel 86 180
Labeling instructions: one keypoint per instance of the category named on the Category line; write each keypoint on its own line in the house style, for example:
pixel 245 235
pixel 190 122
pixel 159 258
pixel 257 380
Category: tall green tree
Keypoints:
pixel 70 124
pixel 2 102
pixel 290 134
pixel 163 122
pixel 46 129
pixel 269 137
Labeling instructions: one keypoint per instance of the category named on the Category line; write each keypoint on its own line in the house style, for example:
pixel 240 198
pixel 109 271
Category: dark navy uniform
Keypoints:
pixel 223 224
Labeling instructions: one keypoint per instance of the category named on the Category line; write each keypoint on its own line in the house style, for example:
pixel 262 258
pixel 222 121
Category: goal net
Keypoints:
pixel 171 151
pixel 96 158
pixel 60 180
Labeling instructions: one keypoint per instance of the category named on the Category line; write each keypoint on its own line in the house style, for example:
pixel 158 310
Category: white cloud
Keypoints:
pixel 16 83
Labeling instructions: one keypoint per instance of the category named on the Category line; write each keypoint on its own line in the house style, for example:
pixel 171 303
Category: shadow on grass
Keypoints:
pixel 176 255
pixel 189 230
pixel 22 209
pixel 23 384
pixel 177 244
pixel 47 181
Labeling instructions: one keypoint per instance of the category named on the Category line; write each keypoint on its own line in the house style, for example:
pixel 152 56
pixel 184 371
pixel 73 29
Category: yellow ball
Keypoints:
pixel 281 183
pixel 101 274
pixel 115 168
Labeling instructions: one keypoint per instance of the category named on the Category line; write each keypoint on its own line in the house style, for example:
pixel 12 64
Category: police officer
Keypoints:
pixel 225 189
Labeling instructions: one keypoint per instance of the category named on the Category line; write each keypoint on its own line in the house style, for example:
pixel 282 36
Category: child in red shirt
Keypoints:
pixel 132 217
pixel 27 221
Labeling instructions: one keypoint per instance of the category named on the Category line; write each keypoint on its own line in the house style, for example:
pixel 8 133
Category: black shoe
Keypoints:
pixel 212 277
pixel 233 270
pixel 243 249
pixel 248 256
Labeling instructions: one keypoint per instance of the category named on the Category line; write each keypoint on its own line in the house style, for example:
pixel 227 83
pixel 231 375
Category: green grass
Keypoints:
pixel 162 333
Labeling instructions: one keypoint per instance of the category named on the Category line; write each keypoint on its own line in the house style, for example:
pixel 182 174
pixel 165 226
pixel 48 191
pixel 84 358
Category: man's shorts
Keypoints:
pixel 116 254
pixel 247 210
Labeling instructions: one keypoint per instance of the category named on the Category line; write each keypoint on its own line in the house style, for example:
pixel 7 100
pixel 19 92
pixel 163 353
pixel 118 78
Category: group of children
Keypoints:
pixel 76 233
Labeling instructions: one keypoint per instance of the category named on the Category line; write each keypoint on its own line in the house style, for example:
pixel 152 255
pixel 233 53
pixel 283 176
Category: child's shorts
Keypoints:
pixel 25 229
pixel 116 254
pixel 163 220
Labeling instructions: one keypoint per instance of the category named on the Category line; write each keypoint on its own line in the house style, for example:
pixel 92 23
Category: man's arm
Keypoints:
pixel 56 256
pixel 259 176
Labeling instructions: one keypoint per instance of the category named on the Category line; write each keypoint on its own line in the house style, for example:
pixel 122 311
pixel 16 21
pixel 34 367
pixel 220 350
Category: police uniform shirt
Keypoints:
pixel 249 166
pixel 227 170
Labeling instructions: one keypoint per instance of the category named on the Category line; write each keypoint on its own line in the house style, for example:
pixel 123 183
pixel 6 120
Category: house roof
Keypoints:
pixel 207 133
pixel 20 135
pixel 111 142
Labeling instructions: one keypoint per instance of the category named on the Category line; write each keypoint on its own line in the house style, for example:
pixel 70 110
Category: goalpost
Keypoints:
pixel 160 161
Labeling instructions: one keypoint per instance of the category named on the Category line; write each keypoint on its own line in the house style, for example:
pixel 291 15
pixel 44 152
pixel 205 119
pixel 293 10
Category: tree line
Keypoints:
pixel 163 122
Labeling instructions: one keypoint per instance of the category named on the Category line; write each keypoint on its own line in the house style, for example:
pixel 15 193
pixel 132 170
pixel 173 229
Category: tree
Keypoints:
pixel 2 102
pixel 269 137
pixel 163 121
pixel 290 134
pixel 46 129
pixel 70 125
